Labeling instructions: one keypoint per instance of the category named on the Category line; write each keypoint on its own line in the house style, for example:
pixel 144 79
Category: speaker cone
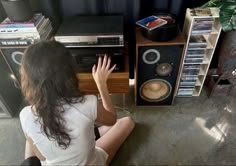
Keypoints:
pixel 16 57
pixel 164 69
pixel 155 90
pixel 151 56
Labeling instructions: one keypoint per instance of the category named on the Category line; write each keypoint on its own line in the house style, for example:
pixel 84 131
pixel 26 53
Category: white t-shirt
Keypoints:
pixel 80 120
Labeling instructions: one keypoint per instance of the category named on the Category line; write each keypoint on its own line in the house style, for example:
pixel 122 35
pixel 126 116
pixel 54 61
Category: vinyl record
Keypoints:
pixel 155 90
pixel 164 33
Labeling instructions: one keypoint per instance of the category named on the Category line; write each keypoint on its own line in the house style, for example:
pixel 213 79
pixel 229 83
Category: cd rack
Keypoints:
pixel 202 33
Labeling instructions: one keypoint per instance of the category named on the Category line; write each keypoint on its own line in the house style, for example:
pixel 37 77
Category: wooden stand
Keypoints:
pixel 142 41
pixel 118 82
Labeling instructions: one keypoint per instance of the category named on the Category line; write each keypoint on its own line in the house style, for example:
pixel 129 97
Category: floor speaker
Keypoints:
pixel 157 70
pixel 11 100
pixel 12 56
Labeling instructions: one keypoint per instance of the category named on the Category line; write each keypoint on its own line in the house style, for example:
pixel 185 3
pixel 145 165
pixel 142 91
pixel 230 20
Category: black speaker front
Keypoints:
pixel 156 73
pixel 11 100
pixel 13 59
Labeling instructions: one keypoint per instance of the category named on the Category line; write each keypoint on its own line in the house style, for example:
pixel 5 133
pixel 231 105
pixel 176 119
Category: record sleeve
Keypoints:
pixel 151 22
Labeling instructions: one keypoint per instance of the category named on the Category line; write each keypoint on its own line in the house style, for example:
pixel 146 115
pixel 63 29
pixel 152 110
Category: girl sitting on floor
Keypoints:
pixel 59 123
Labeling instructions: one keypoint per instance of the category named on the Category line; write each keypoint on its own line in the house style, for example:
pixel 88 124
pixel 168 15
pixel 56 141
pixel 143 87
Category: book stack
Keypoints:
pixel 25 33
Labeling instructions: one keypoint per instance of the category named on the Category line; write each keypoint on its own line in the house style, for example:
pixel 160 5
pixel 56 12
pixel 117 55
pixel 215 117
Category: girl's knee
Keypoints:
pixel 128 121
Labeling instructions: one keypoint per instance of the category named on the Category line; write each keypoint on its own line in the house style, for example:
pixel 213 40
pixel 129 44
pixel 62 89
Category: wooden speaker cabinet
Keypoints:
pixel 157 69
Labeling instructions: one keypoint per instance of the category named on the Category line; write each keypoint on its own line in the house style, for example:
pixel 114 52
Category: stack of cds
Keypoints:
pixel 186 91
pixel 202 25
pixel 197 42
pixel 25 33
pixel 196 50
pixel 190 69
pixel 195 53
pixel 189 77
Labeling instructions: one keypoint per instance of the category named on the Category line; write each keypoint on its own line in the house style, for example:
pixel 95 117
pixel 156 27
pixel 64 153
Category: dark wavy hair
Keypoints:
pixel 48 81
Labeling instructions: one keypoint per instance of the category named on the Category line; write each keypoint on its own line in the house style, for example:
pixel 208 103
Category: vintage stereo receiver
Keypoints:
pixel 88 37
pixel 91 31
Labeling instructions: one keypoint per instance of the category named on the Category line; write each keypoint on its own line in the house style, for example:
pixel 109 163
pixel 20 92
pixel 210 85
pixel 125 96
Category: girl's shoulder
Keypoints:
pixel 87 101
pixel 25 112
pixel 90 97
pixel 26 118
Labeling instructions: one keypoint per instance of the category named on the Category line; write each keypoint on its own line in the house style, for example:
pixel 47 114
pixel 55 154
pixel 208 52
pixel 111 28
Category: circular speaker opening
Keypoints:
pixel 155 90
pixel 151 56
pixel 16 57
pixel 164 69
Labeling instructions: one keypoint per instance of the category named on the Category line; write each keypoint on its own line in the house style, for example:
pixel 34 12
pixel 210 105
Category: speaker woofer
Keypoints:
pixel 151 56
pixel 155 90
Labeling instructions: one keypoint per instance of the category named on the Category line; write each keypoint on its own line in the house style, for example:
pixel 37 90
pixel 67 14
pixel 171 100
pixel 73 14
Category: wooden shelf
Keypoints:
pixel 118 82
pixel 195 93
pixel 211 39
pixel 198 83
pixel 142 41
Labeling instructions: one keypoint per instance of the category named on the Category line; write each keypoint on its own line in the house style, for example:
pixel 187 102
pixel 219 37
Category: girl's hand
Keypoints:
pixel 102 70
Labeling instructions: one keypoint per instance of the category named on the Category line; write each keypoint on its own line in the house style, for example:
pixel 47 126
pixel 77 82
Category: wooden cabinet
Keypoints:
pixel 118 82
pixel 201 33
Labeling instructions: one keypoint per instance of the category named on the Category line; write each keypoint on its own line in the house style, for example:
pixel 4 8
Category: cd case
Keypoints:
pixel 151 22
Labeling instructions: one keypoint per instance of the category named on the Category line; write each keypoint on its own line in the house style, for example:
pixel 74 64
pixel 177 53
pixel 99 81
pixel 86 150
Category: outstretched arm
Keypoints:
pixel 106 114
